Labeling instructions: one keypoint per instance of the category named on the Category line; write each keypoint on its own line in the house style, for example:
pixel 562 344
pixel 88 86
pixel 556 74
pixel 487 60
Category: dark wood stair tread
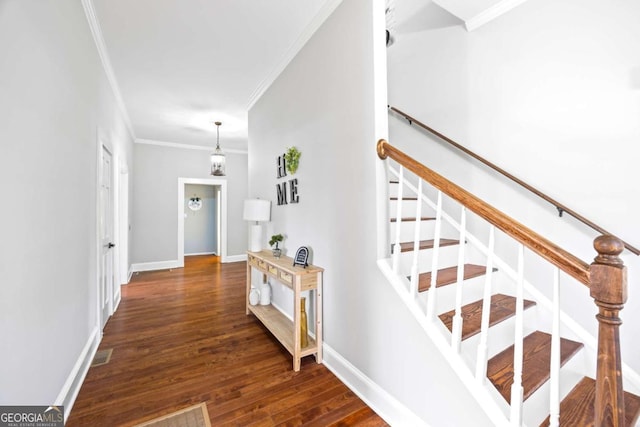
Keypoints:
pixel 426 244
pixel 404 198
pixel 412 218
pixel 502 308
pixel 577 408
pixel 536 366
pixel 449 275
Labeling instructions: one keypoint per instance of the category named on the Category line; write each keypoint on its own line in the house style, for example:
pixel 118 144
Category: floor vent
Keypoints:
pixel 102 357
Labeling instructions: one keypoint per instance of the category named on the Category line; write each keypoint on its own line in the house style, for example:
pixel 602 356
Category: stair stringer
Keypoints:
pixel 483 392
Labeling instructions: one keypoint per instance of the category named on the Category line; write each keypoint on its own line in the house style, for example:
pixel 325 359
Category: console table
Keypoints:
pixel 297 279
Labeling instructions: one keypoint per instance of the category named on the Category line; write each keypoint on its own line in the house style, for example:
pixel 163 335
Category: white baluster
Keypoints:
pixel 554 401
pixel 396 246
pixel 416 243
pixel 456 330
pixel 516 388
pixel 483 352
pixel 431 303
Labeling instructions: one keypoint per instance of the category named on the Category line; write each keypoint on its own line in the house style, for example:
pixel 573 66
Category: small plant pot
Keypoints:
pixel 276 252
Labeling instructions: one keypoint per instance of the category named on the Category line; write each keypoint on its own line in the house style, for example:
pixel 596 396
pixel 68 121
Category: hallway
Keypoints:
pixel 180 337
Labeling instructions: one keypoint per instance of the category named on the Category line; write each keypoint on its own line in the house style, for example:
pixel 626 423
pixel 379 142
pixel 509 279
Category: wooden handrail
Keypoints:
pixel 559 206
pixel 557 256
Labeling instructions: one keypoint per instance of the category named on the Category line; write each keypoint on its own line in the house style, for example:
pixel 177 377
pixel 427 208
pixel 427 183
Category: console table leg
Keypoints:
pixel 319 318
pixel 248 288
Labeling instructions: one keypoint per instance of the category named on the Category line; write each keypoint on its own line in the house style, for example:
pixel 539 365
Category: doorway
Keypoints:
pixel 106 236
pixel 201 225
pixel 220 191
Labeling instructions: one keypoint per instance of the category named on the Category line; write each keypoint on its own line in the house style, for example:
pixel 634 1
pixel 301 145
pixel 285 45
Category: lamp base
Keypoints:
pixel 256 238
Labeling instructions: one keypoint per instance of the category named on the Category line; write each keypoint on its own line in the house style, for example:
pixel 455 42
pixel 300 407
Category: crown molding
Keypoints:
pixel 325 11
pixel 96 31
pixel 185 146
pixel 491 13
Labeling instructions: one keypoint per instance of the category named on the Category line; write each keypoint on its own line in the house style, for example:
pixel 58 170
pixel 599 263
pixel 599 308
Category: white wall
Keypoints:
pixel 55 99
pixel 323 103
pixel 155 182
pixel 201 226
pixel 550 92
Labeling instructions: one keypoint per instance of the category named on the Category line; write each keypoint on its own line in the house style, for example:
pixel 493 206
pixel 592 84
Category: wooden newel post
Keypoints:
pixel 609 290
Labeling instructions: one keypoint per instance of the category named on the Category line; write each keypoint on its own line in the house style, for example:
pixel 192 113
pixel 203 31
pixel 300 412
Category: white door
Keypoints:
pixel 105 290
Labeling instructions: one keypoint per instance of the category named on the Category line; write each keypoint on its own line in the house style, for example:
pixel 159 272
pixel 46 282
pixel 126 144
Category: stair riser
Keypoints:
pixel 446 295
pixel 536 407
pixel 394 188
pixel 409 208
pixel 501 336
pixel 407 230
pixel 447 257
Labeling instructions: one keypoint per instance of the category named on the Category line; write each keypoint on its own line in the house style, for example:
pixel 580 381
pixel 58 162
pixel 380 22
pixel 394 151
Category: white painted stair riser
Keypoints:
pixel 409 208
pixel 447 257
pixel 446 295
pixel 500 337
pixel 536 407
pixel 408 229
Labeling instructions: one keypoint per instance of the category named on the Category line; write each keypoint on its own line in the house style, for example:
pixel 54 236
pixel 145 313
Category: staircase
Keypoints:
pixel 509 343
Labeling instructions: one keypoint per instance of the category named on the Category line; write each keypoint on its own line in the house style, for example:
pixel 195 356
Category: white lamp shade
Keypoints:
pixel 257 210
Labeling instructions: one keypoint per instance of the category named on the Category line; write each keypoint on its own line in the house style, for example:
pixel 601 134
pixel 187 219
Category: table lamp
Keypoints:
pixel 256 210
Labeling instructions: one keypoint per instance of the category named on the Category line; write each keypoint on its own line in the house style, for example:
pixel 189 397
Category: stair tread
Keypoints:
pixel 449 275
pixel 404 198
pixel 426 244
pixel 502 308
pixel 413 218
pixel 536 366
pixel 577 408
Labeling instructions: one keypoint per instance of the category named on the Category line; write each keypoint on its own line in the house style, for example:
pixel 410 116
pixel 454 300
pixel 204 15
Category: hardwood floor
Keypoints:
pixel 181 337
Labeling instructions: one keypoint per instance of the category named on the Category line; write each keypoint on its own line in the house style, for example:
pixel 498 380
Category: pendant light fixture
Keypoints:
pixel 218 159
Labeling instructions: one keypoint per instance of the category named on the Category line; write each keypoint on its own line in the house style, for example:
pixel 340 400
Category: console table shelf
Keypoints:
pixel 298 279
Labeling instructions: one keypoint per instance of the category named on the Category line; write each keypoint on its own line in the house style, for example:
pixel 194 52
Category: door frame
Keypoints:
pixel 121 272
pixel 222 217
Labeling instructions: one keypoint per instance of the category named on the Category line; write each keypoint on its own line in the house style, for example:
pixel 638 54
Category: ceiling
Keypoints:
pixel 178 66
pixel 181 65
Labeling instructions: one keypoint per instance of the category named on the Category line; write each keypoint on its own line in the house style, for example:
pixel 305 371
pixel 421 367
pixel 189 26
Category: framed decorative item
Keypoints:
pixel 195 203
pixel 302 257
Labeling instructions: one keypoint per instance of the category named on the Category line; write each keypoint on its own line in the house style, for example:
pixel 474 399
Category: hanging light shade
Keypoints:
pixel 218 159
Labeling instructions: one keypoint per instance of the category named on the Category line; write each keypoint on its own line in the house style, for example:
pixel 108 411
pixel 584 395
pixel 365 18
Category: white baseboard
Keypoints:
pixel 71 387
pixel 117 301
pixel 159 265
pixel 200 253
pixel 234 258
pixel 130 274
pixel 385 405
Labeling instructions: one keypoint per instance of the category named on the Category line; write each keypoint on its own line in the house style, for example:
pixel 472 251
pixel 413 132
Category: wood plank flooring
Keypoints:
pixel 181 337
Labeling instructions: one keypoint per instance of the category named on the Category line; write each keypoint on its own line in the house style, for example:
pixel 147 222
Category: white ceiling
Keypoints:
pixel 180 65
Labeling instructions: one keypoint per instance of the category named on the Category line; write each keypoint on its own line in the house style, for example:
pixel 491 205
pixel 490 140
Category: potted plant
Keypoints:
pixel 275 239
pixel 292 158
